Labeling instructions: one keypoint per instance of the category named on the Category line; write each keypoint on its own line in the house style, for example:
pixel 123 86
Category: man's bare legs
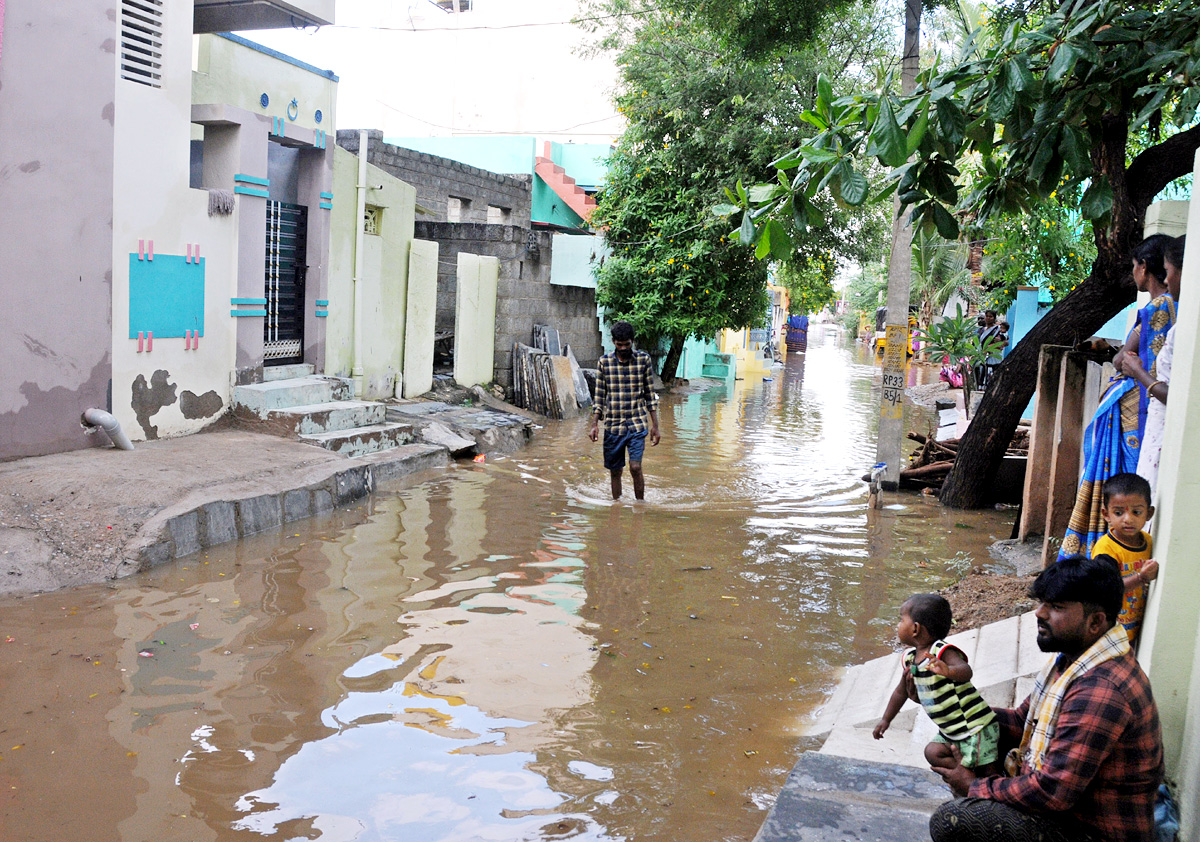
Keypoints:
pixel 639 481
pixel 616 483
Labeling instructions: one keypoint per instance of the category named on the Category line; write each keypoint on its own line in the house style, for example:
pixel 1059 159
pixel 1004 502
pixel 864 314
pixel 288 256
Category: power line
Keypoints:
pixel 497 28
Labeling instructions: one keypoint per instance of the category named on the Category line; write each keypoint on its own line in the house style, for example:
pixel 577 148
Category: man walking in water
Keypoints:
pixel 623 399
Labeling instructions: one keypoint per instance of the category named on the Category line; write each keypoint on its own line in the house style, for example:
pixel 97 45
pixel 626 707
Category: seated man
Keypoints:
pixel 1090 753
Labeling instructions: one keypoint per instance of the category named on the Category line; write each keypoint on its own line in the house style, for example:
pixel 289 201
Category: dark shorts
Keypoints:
pixel 615 445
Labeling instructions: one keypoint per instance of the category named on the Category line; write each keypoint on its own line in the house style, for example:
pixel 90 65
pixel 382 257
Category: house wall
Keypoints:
pixel 525 296
pixel 167 387
pixel 384 286
pixel 438 179
pixel 1169 649
pixel 57 82
pixel 241 136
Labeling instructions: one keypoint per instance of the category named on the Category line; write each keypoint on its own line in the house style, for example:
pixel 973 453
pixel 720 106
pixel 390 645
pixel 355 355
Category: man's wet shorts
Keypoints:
pixel 615 445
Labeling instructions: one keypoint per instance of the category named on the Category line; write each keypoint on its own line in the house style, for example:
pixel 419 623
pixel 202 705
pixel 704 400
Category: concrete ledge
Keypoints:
pixel 827 798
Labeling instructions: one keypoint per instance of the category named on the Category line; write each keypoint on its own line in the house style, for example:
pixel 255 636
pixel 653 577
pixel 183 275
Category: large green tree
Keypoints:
pixel 700 119
pixel 1098 97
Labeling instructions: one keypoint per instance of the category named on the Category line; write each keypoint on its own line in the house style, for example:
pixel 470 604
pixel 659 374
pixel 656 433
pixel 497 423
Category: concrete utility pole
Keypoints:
pixel 895 359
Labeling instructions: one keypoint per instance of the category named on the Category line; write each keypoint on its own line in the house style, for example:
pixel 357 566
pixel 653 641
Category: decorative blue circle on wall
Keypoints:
pixel 293 110
pixel 264 100
pixel 318 116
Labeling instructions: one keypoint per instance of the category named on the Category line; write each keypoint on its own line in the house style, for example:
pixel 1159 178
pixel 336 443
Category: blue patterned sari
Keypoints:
pixel 1112 442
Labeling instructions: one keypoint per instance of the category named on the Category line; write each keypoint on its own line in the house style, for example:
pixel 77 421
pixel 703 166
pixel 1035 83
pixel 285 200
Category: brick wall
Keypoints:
pixel 439 179
pixel 524 294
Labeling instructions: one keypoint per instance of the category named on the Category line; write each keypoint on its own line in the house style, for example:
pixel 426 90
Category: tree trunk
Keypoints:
pixel 671 360
pixel 1075 318
pixel 1107 290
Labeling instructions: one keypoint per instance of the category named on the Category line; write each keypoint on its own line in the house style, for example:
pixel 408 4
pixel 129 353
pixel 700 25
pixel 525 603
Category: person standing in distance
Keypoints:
pixel 623 400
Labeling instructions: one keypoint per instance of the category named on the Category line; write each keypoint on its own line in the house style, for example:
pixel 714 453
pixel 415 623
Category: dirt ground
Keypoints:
pixel 981 598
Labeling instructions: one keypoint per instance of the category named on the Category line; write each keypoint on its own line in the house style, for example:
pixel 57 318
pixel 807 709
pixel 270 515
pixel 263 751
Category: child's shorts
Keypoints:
pixel 979 749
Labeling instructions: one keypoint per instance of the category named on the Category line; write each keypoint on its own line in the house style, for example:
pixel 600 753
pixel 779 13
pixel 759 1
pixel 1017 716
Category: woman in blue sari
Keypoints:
pixel 1112 441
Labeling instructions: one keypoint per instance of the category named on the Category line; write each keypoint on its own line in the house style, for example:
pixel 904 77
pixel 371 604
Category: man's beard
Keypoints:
pixel 626 354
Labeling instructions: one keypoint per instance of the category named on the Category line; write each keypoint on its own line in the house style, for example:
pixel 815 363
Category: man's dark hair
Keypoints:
pixel 932 611
pixel 1151 252
pixel 1095 582
pixel 1126 485
pixel 991 313
pixel 1174 252
pixel 621 331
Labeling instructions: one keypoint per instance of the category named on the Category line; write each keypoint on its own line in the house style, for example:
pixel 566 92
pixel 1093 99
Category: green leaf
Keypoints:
pixel 724 210
pixel 887 140
pixel 1115 35
pixel 762 193
pixel 946 224
pixel 854 188
pixel 746 232
pixel 952 121
pixel 818 155
pixel 1063 62
pixel 917 133
pixel 1097 201
pixel 763 247
pixel 1019 75
pixel 781 243
pixel 815 119
pixel 741 191
pixel 824 92
pixel 1002 97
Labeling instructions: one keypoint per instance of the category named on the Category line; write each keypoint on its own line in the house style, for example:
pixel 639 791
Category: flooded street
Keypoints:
pixel 496 652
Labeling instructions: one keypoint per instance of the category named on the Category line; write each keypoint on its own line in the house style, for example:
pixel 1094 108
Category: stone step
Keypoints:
pixel 362 440
pixel 260 398
pixel 287 372
pixel 314 418
pixel 836 798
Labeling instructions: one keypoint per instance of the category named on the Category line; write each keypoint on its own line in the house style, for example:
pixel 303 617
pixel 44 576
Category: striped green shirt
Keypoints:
pixel 956 709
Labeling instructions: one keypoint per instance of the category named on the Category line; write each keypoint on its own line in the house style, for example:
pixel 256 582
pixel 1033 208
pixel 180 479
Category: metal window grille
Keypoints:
pixel 142 41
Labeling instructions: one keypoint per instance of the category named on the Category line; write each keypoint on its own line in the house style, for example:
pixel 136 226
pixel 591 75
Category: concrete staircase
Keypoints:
pixel 292 401
pixel 563 185
pixel 1004 656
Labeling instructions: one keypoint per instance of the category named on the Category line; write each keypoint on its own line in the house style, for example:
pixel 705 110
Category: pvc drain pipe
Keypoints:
pixel 93 418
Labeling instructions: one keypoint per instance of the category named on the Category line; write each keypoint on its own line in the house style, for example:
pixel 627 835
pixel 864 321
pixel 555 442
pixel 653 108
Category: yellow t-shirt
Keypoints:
pixel 1128 558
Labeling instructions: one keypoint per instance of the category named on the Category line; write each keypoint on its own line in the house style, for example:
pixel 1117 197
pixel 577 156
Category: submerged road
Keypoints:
pixel 495 652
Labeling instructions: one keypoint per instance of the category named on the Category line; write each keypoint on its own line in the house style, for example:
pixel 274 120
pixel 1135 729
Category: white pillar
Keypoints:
pixel 1168 650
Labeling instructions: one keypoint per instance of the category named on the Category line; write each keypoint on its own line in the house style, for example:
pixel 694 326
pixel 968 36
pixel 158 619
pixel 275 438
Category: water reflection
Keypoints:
pixel 498 651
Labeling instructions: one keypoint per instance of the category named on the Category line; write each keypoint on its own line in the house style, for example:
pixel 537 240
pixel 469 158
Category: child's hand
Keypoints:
pixel 938 667
pixel 1148 570
pixel 880 728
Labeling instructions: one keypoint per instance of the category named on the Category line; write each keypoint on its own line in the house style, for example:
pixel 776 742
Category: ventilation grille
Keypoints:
pixel 372 220
pixel 141 41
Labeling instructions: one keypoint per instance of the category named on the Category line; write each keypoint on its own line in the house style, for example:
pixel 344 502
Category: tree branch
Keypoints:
pixel 1161 164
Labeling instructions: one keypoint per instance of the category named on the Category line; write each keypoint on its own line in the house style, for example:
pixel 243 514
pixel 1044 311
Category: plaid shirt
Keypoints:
pixel 1105 759
pixel 623 392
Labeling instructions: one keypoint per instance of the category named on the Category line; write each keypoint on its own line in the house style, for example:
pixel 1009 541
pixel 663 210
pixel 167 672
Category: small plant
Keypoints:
pixel 957 337
pixel 961 565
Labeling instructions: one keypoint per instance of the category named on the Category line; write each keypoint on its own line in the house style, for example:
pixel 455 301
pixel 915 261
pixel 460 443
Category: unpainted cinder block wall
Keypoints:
pixel 438 179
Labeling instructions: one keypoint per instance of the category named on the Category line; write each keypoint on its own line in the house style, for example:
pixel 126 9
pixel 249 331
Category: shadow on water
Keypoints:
pixel 498 652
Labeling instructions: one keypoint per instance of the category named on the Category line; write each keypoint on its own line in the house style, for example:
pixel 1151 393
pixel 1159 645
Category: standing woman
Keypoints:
pixel 1113 440
pixel 1157 385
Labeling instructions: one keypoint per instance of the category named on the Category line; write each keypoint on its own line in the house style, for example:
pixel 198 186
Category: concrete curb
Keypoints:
pixel 196 524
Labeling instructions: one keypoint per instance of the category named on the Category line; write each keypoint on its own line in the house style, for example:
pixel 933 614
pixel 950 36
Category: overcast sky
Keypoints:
pixel 509 67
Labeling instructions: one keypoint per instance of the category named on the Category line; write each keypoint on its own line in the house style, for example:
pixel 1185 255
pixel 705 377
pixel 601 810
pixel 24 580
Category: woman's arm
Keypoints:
pixel 1156 389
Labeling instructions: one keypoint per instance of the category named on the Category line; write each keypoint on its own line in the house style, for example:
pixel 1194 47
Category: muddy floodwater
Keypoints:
pixel 493 652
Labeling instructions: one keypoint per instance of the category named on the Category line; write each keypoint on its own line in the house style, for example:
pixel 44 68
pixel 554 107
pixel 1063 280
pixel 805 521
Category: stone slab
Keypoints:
pixel 834 798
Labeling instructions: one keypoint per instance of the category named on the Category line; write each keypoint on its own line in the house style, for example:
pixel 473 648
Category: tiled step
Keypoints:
pixel 362 440
pixel 287 372
pixel 325 417
pixel 260 398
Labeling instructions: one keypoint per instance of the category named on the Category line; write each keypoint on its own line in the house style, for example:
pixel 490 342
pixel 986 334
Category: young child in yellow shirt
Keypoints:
pixel 1126 508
